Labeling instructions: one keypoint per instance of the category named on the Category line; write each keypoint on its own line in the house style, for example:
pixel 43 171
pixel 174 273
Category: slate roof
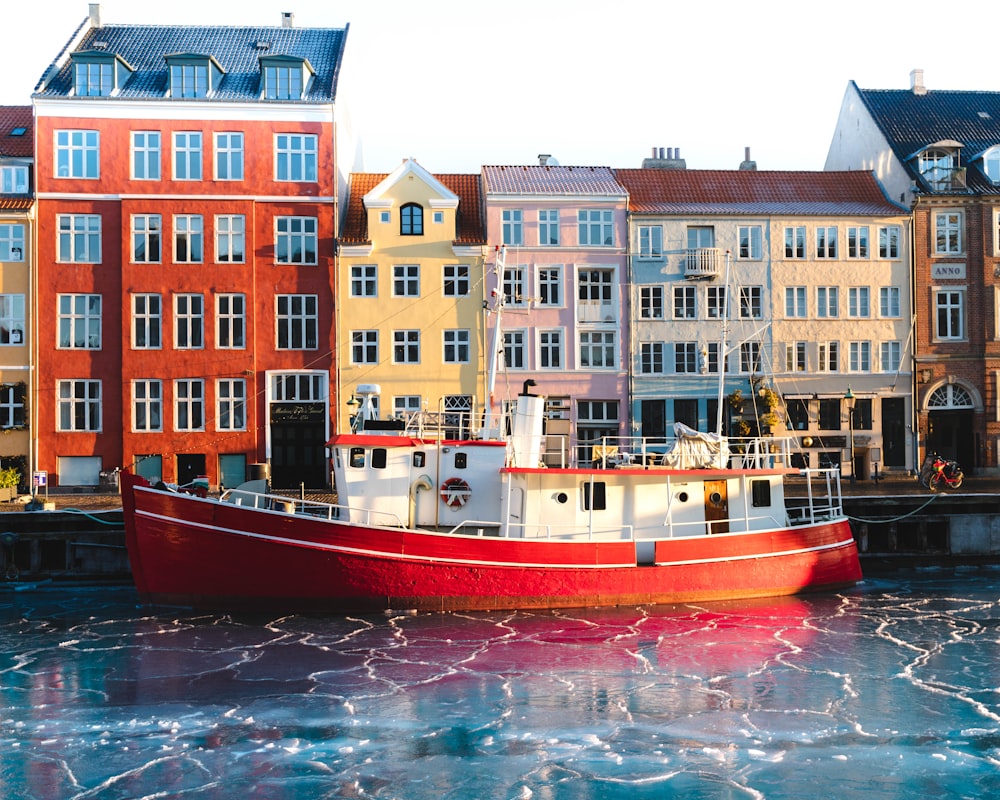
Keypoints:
pixel 910 122
pixel 236 49
pixel 469 217
pixel 753 193
pixel 552 180
pixel 12 117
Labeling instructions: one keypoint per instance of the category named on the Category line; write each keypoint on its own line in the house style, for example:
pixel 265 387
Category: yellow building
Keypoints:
pixel 16 224
pixel 410 295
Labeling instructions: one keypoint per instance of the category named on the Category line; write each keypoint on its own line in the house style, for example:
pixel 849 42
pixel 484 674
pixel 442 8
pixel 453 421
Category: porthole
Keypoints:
pixel 683 497
pixel 562 497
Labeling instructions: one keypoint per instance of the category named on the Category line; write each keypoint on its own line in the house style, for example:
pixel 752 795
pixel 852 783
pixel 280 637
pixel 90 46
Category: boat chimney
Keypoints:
pixel 526 434
pixel 747 163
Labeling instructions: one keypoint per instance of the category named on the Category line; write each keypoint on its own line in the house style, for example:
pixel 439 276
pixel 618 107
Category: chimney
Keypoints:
pixel 543 159
pixel 665 158
pixel 917 81
pixel 287 19
pixel 747 164
pixel 95 15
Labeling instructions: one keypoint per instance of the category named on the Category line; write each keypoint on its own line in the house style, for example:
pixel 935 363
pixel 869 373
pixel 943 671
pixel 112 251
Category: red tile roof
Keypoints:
pixel 470 226
pixel 681 191
pixel 11 118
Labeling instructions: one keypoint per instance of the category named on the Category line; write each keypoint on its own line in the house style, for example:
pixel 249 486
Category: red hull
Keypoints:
pixel 190 551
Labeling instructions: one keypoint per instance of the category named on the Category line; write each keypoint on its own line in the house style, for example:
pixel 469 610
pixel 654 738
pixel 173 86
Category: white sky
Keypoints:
pixel 461 83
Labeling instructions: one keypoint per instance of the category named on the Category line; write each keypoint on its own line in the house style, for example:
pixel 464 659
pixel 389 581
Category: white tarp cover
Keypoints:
pixel 693 449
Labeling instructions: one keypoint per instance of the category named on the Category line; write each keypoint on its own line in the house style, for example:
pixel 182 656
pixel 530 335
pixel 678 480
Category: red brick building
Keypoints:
pixel 187 187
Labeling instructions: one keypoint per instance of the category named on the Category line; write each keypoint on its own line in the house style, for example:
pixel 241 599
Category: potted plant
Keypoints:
pixel 10 478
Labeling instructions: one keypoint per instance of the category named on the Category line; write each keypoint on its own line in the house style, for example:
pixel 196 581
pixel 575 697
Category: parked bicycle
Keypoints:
pixel 940 473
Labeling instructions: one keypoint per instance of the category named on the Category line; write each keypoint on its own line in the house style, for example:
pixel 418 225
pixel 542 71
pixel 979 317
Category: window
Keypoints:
pixel 12 397
pixel 438 217
pixel 829 414
pixel 231 396
pixel 650 241
pixel 888 301
pixel 296 157
pixel 364 280
pixel 795 302
pixel 229 156
pixel 888 242
pixel 651 358
pixel 515 288
pixel 936 167
pixel 861 356
pixel 750 357
pixel 710 358
pixel 406 405
pixel 795 357
pixel 684 302
pixel 548 227
pixel 829 357
pixel 550 349
pixel 11 319
pixel 188 80
pixel 147 406
pixel 11 242
pixel 716 302
pixel 891 356
pixel 795 242
pixel 550 286
pixel 950 307
pixel 515 349
pixel 230 321
pixel 751 242
pixel 79 322
pixel 298 321
pixel 189 405
pixel 826 243
pixel 187 156
pixel 651 302
pixel 79 238
pixel 411 220
pixel 948 232
pixel 78 154
pixel 456 280
pixel 858 304
pixel 146 155
pixel 406 347
pixel 93 78
pixel 597 349
pixel 827 302
pixel 456 347
pixel 406 280
pixel 797 412
pixel 751 302
pixel 513 226
pixel 283 82
pixel 188 239
pixel 857 242
pixel 596 420
pixel 147 319
pixel 229 239
pixel 295 240
pixel 13 179
pixel 686 357
pixel 146 232
pixel 385 217
pixel 79 405
pixel 595 291
pixel 189 321
pixel 596 228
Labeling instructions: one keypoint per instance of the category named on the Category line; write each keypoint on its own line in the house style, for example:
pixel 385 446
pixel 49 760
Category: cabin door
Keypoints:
pixel 716 507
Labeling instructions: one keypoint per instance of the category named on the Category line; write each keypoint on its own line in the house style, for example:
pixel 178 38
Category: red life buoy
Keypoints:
pixel 455 493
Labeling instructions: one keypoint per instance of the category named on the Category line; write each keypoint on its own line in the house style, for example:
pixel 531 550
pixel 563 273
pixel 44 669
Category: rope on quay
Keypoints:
pixel 932 498
pixel 90 516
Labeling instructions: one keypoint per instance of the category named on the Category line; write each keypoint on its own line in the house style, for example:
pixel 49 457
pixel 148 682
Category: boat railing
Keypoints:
pixel 311 508
pixel 705 452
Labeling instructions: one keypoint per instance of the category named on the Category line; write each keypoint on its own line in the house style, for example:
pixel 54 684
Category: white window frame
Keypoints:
pixel 147 321
pixel 795 242
pixel 751 302
pixel 364 346
pixel 406 346
pixel 230 321
pixel 296 240
pixel 950 302
pixel 296 157
pixel 406 280
pixel 229 156
pixel 515 348
pixel 147 239
pixel 147 405
pixel 651 358
pixel 189 321
pixel 12 320
pixel 859 304
pixel 456 280
pixel 796 357
pixel 230 232
pixel 685 303
pixel 548 227
pixel 515 285
pixel 231 404
pixel 551 349
pixel 77 154
pixel 189 404
pixel 297 325
pixel 14 179
pixel 889 239
pixel 716 302
pixel 78 322
pixel 603 345
pixel 829 357
pixel 751 243
pixel 827 302
pixel 796 306
pixel 949 228
pixel 78 236
pixel 826 242
pixel 364 280
pixel 858 242
pixel 860 358
pixel 750 355
pixel 651 302
pixel 512 226
pixel 650 241
pixel 284 82
pixel 147 155
pixel 550 285
pixel 686 361
pixel 889 302
pixel 187 155
pixel 456 346
pixel 189 236
pixel 596 227
pixel 11 242
pixel 890 356
pixel 78 406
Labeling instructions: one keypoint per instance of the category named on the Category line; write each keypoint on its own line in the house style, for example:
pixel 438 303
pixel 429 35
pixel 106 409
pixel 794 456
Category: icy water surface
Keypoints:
pixel 891 690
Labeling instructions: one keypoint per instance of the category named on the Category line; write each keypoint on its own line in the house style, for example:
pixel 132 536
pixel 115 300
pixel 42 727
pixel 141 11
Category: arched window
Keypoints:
pixel 411 220
pixel 936 167
pixel 950 396
pixel 991 164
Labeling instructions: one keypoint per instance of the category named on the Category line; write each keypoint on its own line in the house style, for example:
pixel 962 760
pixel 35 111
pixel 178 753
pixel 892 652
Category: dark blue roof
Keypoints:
pixel 237 49
pixel 910 122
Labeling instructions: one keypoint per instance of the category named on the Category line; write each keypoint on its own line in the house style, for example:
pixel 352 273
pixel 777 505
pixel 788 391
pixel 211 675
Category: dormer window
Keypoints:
pixel 193 75
pixel 411 220
pixel 14 179
pixel 98 74
pixel 284 77
pixel 939 166
pixel 991 164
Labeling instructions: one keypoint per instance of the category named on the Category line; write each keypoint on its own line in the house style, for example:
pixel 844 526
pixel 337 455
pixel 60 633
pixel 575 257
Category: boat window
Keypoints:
pixel 594 499
pixel 419 459
pixel 760 493
pixel 379 458
pixel 357 459
pixel 461 460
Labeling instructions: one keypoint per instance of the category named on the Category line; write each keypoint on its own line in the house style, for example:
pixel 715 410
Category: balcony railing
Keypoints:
pixel 704 262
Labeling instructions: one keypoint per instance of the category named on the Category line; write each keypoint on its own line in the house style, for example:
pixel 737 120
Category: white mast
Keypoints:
pixel 723 355
pixel 492 428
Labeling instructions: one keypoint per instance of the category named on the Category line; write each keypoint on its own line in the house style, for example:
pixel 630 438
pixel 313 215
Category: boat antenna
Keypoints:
pixel 491 424
pixel 723 355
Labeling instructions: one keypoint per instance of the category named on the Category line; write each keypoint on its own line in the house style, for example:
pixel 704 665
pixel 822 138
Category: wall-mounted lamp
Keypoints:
pixel 353 403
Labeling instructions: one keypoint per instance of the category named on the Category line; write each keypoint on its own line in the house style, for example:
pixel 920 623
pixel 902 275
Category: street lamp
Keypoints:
pixel 850 400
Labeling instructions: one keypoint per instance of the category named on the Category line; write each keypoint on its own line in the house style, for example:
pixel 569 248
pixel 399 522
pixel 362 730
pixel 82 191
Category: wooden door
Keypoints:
pixel 717 506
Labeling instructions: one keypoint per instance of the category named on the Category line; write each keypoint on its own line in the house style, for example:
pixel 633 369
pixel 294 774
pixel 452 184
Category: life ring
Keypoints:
pixel 455 493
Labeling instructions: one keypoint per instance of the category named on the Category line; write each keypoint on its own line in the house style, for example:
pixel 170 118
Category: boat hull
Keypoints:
pixel 204 553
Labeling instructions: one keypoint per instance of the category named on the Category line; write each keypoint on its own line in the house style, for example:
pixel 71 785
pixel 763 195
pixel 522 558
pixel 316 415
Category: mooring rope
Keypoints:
pixel 930 500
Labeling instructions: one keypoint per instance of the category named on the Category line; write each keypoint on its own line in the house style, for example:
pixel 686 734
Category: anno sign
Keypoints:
pixel 940 272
